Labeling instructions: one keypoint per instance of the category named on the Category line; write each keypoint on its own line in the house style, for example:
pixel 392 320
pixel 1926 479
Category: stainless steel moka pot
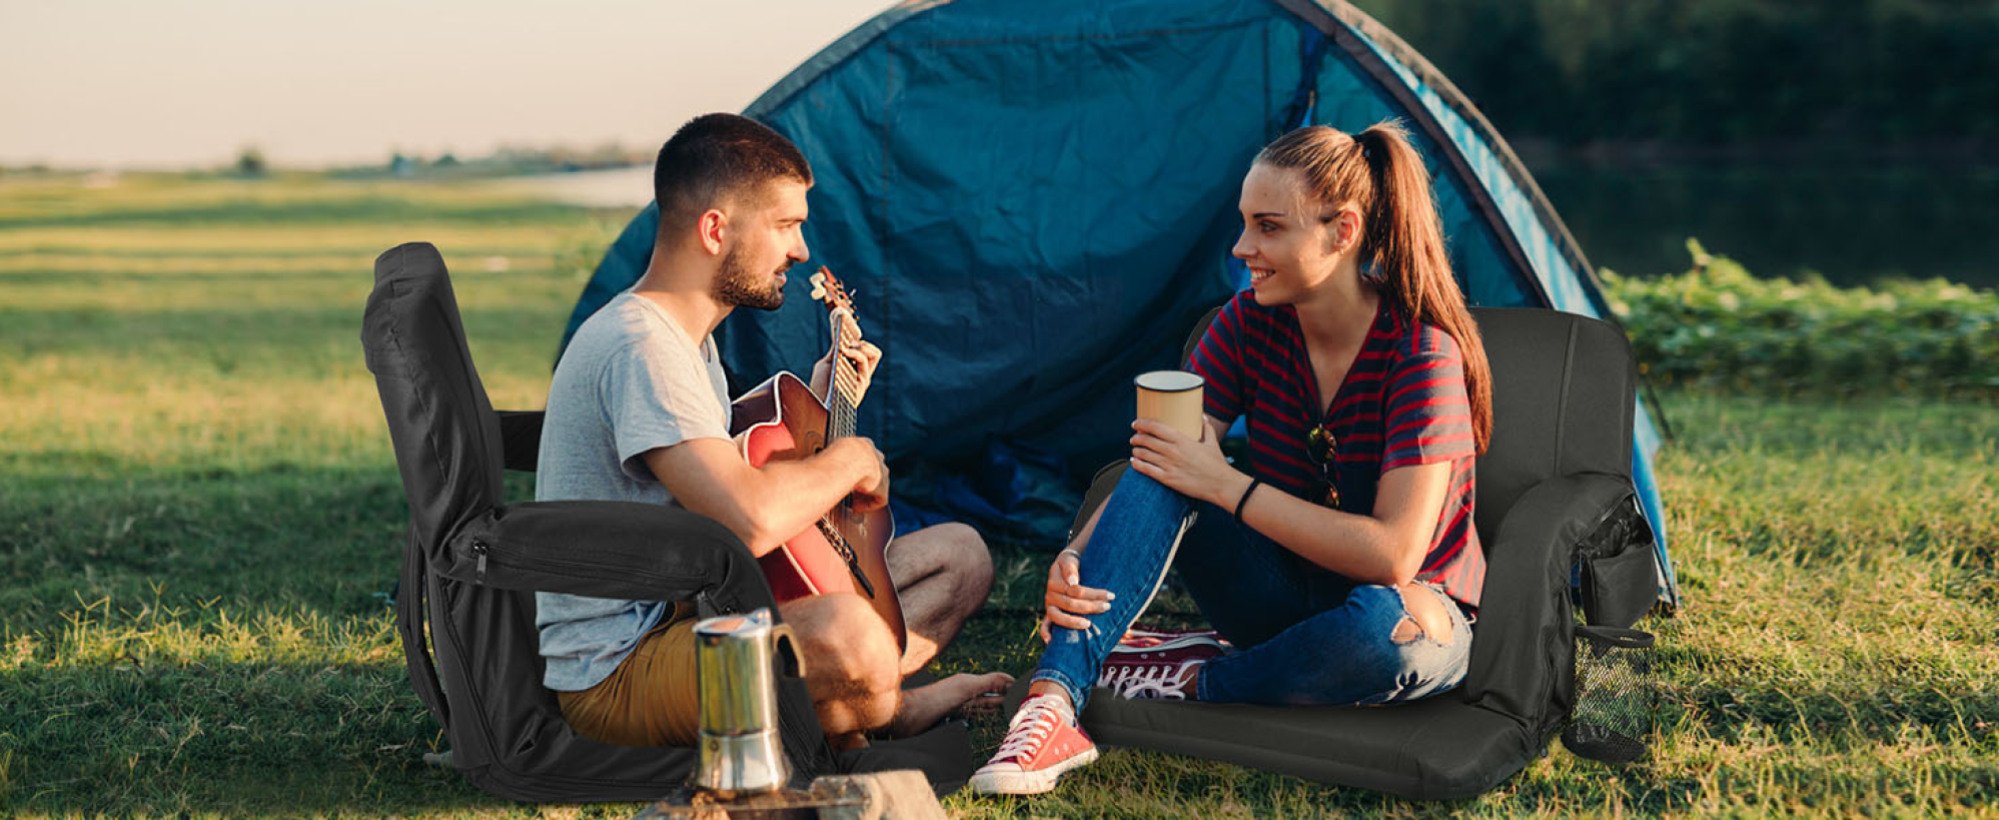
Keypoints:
pixel 734 661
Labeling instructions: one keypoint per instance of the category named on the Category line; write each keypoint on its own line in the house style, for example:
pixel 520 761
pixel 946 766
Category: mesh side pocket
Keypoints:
pixel 1615 700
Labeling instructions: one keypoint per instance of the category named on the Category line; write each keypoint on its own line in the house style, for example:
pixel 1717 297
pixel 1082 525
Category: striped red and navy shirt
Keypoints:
pixel 1403 403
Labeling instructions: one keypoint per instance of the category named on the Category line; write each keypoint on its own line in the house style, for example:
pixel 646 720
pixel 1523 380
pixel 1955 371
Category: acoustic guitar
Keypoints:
pixel 845 551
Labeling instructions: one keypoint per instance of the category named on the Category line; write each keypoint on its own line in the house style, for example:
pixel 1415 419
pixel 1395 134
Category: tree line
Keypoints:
pixel 1849 77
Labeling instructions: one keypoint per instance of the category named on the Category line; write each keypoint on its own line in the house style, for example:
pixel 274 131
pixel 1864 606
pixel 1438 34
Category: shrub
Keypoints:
pixel 1716 326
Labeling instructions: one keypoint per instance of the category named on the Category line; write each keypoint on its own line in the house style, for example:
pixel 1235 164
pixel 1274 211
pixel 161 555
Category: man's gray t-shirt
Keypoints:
pixel 631 381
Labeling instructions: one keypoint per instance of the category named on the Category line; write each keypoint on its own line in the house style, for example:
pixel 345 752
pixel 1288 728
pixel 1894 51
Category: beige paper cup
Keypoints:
pixel 1171 396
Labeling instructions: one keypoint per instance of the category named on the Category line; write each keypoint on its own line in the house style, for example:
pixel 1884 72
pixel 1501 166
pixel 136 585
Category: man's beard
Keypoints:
pixel 738 286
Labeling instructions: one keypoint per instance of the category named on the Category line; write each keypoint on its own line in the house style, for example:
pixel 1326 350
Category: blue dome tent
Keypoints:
pixel 1034 200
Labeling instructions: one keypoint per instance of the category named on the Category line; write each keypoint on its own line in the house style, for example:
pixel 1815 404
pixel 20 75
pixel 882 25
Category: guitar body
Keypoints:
pixel 781 420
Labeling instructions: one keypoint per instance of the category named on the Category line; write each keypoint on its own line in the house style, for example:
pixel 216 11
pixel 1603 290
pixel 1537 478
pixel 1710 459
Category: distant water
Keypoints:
pixel 607 188
pixel 1853 227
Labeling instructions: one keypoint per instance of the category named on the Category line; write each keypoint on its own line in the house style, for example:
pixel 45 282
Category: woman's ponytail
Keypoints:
pixel 1402 251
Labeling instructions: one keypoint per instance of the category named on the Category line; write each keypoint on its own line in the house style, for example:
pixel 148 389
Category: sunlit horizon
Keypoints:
pixel 132 85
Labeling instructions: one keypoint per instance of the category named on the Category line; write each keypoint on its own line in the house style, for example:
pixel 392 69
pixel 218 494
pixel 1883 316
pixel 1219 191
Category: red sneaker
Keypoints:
pixel 1042 741
pixel 1164 673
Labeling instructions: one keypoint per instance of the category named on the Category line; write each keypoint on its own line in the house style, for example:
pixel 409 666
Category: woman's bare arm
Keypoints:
pixel 1384 547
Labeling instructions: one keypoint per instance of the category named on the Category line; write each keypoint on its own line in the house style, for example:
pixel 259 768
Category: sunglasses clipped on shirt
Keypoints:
pixel 1324 451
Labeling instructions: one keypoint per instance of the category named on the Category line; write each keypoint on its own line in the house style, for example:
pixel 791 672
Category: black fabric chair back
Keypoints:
pixel 446 435
pixel 1563 400
pixel 483 683
pixel 1564 394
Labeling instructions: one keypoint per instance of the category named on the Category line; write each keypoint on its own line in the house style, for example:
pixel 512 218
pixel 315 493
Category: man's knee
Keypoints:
pixel 842 627
pixel 966 559
pixel 849 655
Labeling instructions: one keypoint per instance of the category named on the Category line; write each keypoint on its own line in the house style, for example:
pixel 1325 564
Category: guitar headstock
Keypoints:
pixel 828 289
pixel 846 331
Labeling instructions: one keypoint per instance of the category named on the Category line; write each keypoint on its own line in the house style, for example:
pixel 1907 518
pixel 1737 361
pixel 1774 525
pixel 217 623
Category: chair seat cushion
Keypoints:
pixel 1439 748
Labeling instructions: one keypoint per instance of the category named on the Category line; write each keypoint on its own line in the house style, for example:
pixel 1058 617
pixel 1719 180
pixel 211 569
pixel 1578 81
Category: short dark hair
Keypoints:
pixel 715 156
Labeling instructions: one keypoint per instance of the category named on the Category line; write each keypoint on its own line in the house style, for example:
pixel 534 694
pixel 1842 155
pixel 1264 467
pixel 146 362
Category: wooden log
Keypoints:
pixel 897 795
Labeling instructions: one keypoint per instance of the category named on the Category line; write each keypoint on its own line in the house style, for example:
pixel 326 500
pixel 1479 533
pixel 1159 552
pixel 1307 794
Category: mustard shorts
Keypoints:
pixel 650 699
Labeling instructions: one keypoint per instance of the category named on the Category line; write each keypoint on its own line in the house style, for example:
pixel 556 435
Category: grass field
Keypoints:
pixel 198 509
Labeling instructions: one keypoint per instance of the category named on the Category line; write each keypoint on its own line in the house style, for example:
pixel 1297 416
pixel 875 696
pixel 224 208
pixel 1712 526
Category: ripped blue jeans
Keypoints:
pixel 1303 635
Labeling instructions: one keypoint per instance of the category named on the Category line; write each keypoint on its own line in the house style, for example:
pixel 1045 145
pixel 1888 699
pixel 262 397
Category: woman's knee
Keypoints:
pixel 1424 615
pixel 1401 615
pixel 1377 612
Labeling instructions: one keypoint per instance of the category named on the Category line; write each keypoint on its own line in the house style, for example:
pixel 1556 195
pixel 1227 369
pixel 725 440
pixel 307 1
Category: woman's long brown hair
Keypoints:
pixel 1402 247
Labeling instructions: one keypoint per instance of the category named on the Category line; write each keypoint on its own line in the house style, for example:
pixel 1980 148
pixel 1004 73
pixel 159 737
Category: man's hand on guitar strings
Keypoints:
pixel 871 493
pixel 862 354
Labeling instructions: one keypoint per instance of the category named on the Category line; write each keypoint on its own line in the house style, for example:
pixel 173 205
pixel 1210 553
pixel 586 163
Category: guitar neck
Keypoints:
pixel 841 404
pixel 844 395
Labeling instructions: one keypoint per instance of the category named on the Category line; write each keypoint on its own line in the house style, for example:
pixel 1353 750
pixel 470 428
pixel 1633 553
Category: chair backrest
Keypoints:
pixel 483 682
pixel 1200 329
pixel 1563 401
pixel 446 435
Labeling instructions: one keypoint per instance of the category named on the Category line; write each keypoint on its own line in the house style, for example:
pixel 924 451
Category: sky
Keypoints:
pixel 190 83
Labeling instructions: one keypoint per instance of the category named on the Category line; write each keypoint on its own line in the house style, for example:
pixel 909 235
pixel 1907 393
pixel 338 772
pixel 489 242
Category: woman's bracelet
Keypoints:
pixel 1079 556
pixel 1253 482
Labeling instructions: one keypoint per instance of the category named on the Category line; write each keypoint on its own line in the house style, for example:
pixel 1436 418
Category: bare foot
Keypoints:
pixel 923 706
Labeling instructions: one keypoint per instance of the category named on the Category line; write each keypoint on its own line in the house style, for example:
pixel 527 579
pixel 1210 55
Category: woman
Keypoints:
pixel 1342 562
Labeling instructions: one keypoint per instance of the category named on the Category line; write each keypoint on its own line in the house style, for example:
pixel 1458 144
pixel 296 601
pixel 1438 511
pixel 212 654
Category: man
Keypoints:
pixel 638 411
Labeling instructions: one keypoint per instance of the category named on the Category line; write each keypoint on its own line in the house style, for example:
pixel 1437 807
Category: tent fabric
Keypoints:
pixel 1033 199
